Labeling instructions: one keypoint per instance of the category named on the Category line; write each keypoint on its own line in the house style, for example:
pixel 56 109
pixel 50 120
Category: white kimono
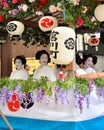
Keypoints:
pixel 47 71
pixel 19 74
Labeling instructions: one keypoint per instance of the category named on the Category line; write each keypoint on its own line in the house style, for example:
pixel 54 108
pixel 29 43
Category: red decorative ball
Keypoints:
pixel 44 1
pixel 1 18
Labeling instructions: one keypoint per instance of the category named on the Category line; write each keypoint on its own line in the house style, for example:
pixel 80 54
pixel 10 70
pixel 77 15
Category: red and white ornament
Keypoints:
pixel 47 23
pixel 61 74
pixel 93 41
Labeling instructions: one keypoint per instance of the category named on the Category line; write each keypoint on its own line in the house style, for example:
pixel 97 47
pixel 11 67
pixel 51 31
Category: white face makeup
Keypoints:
pixel 44 59
pixel 18 64
pixel 88 62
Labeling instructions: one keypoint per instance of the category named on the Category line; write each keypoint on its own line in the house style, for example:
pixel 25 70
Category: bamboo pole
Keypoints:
pixel 5 120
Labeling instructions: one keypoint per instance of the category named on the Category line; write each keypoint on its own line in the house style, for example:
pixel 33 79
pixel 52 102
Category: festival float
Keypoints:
pixel 68 99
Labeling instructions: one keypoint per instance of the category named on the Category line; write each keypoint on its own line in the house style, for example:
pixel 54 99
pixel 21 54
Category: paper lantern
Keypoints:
pixel 86 38
pixel 79 46
pixel 47 23
pixel 99 13
pixel 93 41
pixel 15 27
pixel 62 45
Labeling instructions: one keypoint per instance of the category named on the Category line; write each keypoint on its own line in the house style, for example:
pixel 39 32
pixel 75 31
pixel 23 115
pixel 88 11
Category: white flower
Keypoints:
pixel 9 11
pixel 52 8
pixel 59 6
pixel 84 9
pixel 25 7
pixel 76 2
pixel 31 1
pixel 39 13
pixel 93 19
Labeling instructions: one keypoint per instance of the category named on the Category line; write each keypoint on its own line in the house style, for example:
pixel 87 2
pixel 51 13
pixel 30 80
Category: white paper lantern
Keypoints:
pixel 15 27
pixel 47 23
pixel 86 38
pixel 99 13
pixel 93 41
pixel 62 45
pixel 79 46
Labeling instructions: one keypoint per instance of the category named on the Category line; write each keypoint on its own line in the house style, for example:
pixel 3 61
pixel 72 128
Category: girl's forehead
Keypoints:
pixel 44 55
pixel 89 58
pixel 18 60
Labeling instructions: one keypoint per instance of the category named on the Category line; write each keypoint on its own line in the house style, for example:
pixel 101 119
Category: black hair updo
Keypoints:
pixel 22 58
pixel 39 53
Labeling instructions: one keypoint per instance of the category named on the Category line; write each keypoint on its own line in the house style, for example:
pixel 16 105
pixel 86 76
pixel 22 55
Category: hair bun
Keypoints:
pixel 22 58
pixel 39 53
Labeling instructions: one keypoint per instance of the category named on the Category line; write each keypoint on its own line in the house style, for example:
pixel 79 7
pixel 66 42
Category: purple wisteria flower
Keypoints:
pixel 61 95
pixel 80 100
pixel 4 95
pixel 91 85
pixel 100 91
pixel 40 94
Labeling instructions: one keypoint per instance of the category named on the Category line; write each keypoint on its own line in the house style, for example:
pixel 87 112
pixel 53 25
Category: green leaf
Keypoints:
pixel 81 85
pixel 99 82
pixel 29 85
pixel 13 83
pixel 3 82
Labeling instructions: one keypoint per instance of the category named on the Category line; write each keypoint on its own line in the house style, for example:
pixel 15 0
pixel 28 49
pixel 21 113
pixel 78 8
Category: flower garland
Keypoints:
pixel 81 13
pixel 26 92
pixel 100 87
pixel 76 13
pixel 22 8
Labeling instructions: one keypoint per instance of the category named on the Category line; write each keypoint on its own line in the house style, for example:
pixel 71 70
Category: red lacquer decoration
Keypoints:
pixel 13 105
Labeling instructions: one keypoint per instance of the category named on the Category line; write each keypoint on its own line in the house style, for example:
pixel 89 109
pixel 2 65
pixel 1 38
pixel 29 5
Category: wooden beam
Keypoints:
pixel 6 59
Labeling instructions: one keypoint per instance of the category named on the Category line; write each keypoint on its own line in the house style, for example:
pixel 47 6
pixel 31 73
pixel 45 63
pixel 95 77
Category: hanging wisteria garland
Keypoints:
pixel 100 87
pixel 30 91
pixel 81 93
